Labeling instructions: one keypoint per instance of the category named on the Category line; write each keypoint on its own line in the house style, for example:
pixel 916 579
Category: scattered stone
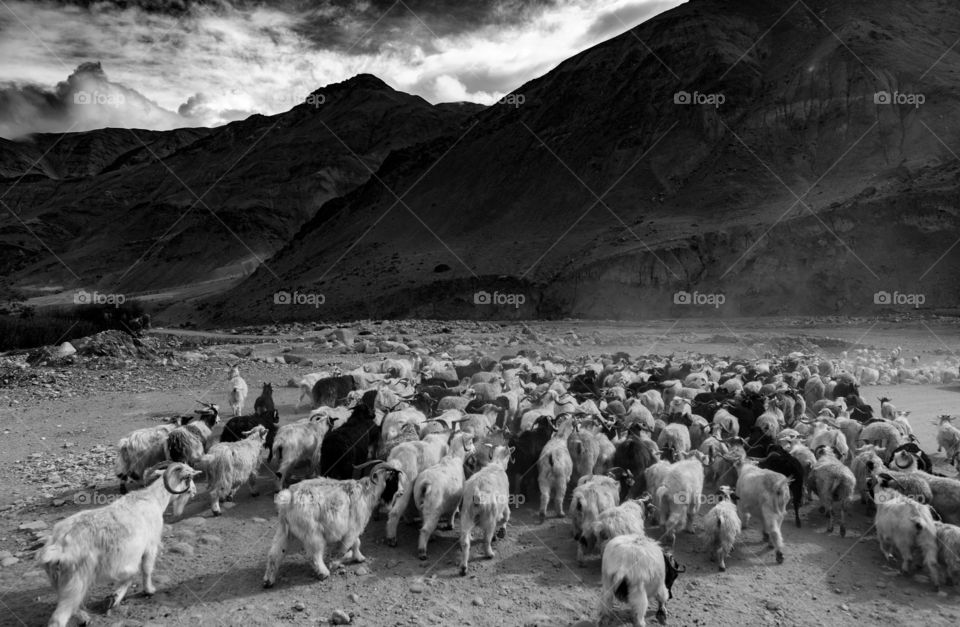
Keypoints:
pixel 299 606
pixel 353 596
pixel 180 548
pixel 477 601
pixel 36 525
pixel 209 538
pixel 362 571
pixel 416 587
pixel 844 607
pixel 9 561
pixel 339 617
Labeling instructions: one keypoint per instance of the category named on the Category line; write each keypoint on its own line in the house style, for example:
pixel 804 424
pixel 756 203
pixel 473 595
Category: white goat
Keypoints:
pixel 139 450
pixel 907 526
pixel 438 489
pixel 554 468
pixel 834 483
pixel 635 568
pixel 722 526
pixel 412 458
pixel 188 443
pixel 300 442
pixel 948 440
pixel 593 495
pixel 485 504
pixel 236 390
pixel 228 464
pixel 764 493
pixel 678 497
pixel 112 543
pixel 322 512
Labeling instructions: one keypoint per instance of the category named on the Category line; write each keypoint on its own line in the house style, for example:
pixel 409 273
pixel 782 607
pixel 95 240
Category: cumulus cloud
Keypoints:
pixel 189 63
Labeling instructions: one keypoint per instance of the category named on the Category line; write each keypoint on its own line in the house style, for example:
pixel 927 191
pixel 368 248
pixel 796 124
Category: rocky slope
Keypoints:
pixel 132 211
pixel 593 192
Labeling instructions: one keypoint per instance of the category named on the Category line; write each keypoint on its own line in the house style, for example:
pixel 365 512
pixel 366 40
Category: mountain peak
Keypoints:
pixel 360 81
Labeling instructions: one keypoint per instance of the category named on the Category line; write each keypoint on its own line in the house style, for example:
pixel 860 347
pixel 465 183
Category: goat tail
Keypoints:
pixel 421 495
pixel 782 496
pixel 664 508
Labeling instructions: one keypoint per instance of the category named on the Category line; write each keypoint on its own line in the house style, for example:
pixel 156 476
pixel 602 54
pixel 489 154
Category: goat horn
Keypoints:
pixel 166 482
pixel 368 464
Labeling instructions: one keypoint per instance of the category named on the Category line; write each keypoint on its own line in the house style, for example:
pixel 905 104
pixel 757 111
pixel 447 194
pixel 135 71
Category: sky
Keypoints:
pixel 162 64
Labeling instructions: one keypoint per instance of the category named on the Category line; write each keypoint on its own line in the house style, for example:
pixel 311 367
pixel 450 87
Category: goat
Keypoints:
pixel 593 495
pixel 300 442
pixel 834 483
pixel 236 390
pixel 907 526
pixel 722 526
pixel 634 568
pixel 412 458
pixel 229 464
pixel 948 439
pixel 188 443
pixel 485 504
pixel 264 403
pixel 348 446
pixel 112 543
pixel 764 493
pixel 321 512
pixel 235 428
pixel 139 450
pixel 678 498
pixel 438 489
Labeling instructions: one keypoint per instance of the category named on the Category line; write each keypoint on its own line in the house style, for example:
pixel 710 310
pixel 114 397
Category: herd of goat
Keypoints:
pixel 446 439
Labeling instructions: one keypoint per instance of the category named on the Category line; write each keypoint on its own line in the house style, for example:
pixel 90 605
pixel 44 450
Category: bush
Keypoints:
pixel 56 325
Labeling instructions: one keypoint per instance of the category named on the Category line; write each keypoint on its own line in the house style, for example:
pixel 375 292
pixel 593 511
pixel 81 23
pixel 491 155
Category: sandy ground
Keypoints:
pixel 210 570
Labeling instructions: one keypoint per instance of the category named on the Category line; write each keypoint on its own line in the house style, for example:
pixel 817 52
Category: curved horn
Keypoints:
pixel 367 464
pixel 166 482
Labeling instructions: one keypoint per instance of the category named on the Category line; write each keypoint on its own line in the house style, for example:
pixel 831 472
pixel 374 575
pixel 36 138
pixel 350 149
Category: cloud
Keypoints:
pixel 188 62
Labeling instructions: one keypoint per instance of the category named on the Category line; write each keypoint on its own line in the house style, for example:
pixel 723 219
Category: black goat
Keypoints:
pixel 779 460
pixel 333 391
pixel 235 428
pixel 264 403
pixel 636 453
pixel 528 445
pixel 349 446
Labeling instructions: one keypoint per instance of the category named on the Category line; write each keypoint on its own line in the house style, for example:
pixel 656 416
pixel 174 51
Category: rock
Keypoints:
pixel 299 606
pixel 180 548
pixel 844 607
pixel 362 571
pixel 258 520
pixel 209 538
pixel 5 554
pixel 195 521
pixel 353 596
pixel 58 502
pixel 36 525
pixel 347 336
pixel 66 349
pixel 292 359
pixel 339 617
pixel 772 606
pixel 416 587
pixel 9 561
pixel 477 601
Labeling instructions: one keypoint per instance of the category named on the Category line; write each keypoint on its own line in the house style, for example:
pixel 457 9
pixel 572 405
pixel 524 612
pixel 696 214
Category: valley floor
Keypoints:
pixel 57 449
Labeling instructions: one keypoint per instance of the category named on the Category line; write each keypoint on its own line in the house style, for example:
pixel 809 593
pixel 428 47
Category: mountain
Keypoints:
pixel 133 211
pixel 788 104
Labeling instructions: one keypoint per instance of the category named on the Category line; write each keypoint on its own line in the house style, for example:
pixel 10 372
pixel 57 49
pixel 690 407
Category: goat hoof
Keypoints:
pixel 218 513
pixel 228 498
pixel 779 557
pixel 422 555
pixel 723 569
pixel 391 542
pixel 822 510
pixel 267 584
pixel 543 517
pixel 463 571
pixel 662 616
pixel 501 533
pixel 843 531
